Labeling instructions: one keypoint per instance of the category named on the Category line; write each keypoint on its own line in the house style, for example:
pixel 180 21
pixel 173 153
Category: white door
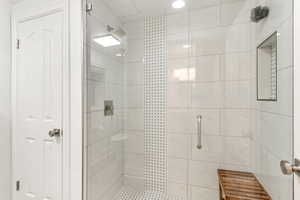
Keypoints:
pixel 38 108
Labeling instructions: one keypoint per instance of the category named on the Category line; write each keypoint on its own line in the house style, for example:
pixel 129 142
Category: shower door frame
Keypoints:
pixel 296 59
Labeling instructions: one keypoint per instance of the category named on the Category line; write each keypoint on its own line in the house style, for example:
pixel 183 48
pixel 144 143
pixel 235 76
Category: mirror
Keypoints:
pixel 266 72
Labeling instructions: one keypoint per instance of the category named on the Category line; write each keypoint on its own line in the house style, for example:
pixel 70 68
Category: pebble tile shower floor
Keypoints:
pixel 127 193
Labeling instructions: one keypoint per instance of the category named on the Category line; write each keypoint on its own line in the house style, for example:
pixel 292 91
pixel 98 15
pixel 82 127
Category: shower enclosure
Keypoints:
pixel 172 96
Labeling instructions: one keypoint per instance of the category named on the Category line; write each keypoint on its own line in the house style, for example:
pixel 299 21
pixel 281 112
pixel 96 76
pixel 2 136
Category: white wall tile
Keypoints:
pixel 178 95
pixel 134 119
pixel 176 190
pixel 204 18
pixel 177 170
pixel 135 50
pixel 175 45
pixel 180 121
pixel 134 28
pixel 285 44
pixel 203 174
pixel 276 131
pixel 205 68
pixel 236 66
pixel 236 123
pixel 178 23
pixel 203 193
pixel 206 42
pixel 238 38
pixel 206 95
pixel 96 95
pixel 236 12
pixel 135 96
pixel 135 73
pixel 137 183
pixel 236 151
pixel 237 94
pixel 134 165
pixel 134 142
pixel 178 145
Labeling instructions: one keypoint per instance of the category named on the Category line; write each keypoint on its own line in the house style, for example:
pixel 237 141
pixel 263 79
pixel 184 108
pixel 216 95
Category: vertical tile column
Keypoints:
pixel 155 72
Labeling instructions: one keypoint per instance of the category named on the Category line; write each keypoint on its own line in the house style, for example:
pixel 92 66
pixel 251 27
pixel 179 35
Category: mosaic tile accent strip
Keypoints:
pixel 155 72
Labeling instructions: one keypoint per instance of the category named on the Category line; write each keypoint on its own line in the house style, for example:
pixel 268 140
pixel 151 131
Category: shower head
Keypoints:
pixel 119 32
pixel 259 13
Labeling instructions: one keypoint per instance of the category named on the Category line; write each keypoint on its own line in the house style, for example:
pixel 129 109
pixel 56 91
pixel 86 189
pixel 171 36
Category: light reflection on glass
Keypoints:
pixel 184 74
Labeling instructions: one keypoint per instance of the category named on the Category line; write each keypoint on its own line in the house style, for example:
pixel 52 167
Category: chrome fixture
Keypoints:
pixel 199 132
pixel 259 13
pixel 89 7
pixel 108 108
pixel 55 133
pixel 288 169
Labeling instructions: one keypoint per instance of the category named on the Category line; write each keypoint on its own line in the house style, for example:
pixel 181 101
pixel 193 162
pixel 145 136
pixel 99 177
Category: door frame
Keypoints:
pixel 296 58
pixel 72 162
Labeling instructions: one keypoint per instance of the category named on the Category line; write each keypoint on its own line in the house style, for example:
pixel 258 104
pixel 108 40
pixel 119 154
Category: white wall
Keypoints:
pixel 5 99
pixel 273 139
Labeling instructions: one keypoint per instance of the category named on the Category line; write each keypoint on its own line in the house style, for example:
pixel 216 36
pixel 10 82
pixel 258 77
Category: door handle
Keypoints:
pixel 55 133
pixel 288 169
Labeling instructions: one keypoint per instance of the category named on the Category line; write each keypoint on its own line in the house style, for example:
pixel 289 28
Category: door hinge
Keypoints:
pixel 18 185
pixel 89 7
pixel 18 44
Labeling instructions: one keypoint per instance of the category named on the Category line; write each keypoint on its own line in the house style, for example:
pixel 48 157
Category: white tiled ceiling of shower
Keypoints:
pixel 127 10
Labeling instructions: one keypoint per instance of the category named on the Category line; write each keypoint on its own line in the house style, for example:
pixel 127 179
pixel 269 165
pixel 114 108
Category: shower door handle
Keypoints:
pixel 288 168
pixel 199 132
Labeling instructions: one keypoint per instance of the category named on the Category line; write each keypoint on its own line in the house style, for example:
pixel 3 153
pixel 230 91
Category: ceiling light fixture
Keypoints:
pixel 107 40
pixel 178 4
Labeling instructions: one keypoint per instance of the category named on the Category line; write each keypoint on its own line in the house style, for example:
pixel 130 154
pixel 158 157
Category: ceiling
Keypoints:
pixel 132 9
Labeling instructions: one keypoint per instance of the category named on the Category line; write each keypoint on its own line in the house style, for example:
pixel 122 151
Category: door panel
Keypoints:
pixel 39 107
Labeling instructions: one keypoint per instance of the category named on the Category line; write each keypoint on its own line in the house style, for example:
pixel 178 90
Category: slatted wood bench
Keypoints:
pixel 235 185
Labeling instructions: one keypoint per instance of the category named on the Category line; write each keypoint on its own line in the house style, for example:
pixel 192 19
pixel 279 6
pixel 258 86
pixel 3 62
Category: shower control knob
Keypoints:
pixel 55 133
pixel 288 169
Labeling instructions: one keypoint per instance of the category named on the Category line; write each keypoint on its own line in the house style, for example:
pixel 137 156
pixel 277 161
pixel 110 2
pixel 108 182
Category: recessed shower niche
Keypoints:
pixel 267 69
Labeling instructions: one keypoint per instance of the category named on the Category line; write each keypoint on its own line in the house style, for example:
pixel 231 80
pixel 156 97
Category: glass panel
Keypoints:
pixel 152 70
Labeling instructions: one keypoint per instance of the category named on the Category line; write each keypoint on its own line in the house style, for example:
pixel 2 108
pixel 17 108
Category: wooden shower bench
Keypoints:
pixel 236 185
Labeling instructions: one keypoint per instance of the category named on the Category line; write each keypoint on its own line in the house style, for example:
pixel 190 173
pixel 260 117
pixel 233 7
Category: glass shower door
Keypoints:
pixel 104 107
pixel 152 70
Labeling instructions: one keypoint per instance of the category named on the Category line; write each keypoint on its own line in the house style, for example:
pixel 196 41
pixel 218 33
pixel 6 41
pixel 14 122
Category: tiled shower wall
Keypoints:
pixel 273 137
pixel 104 143
pixel 210 70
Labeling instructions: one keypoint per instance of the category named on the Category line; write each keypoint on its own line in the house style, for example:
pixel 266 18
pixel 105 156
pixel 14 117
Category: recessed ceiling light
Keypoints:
pixel 107 40
pixel 119 55
pixel 178 4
